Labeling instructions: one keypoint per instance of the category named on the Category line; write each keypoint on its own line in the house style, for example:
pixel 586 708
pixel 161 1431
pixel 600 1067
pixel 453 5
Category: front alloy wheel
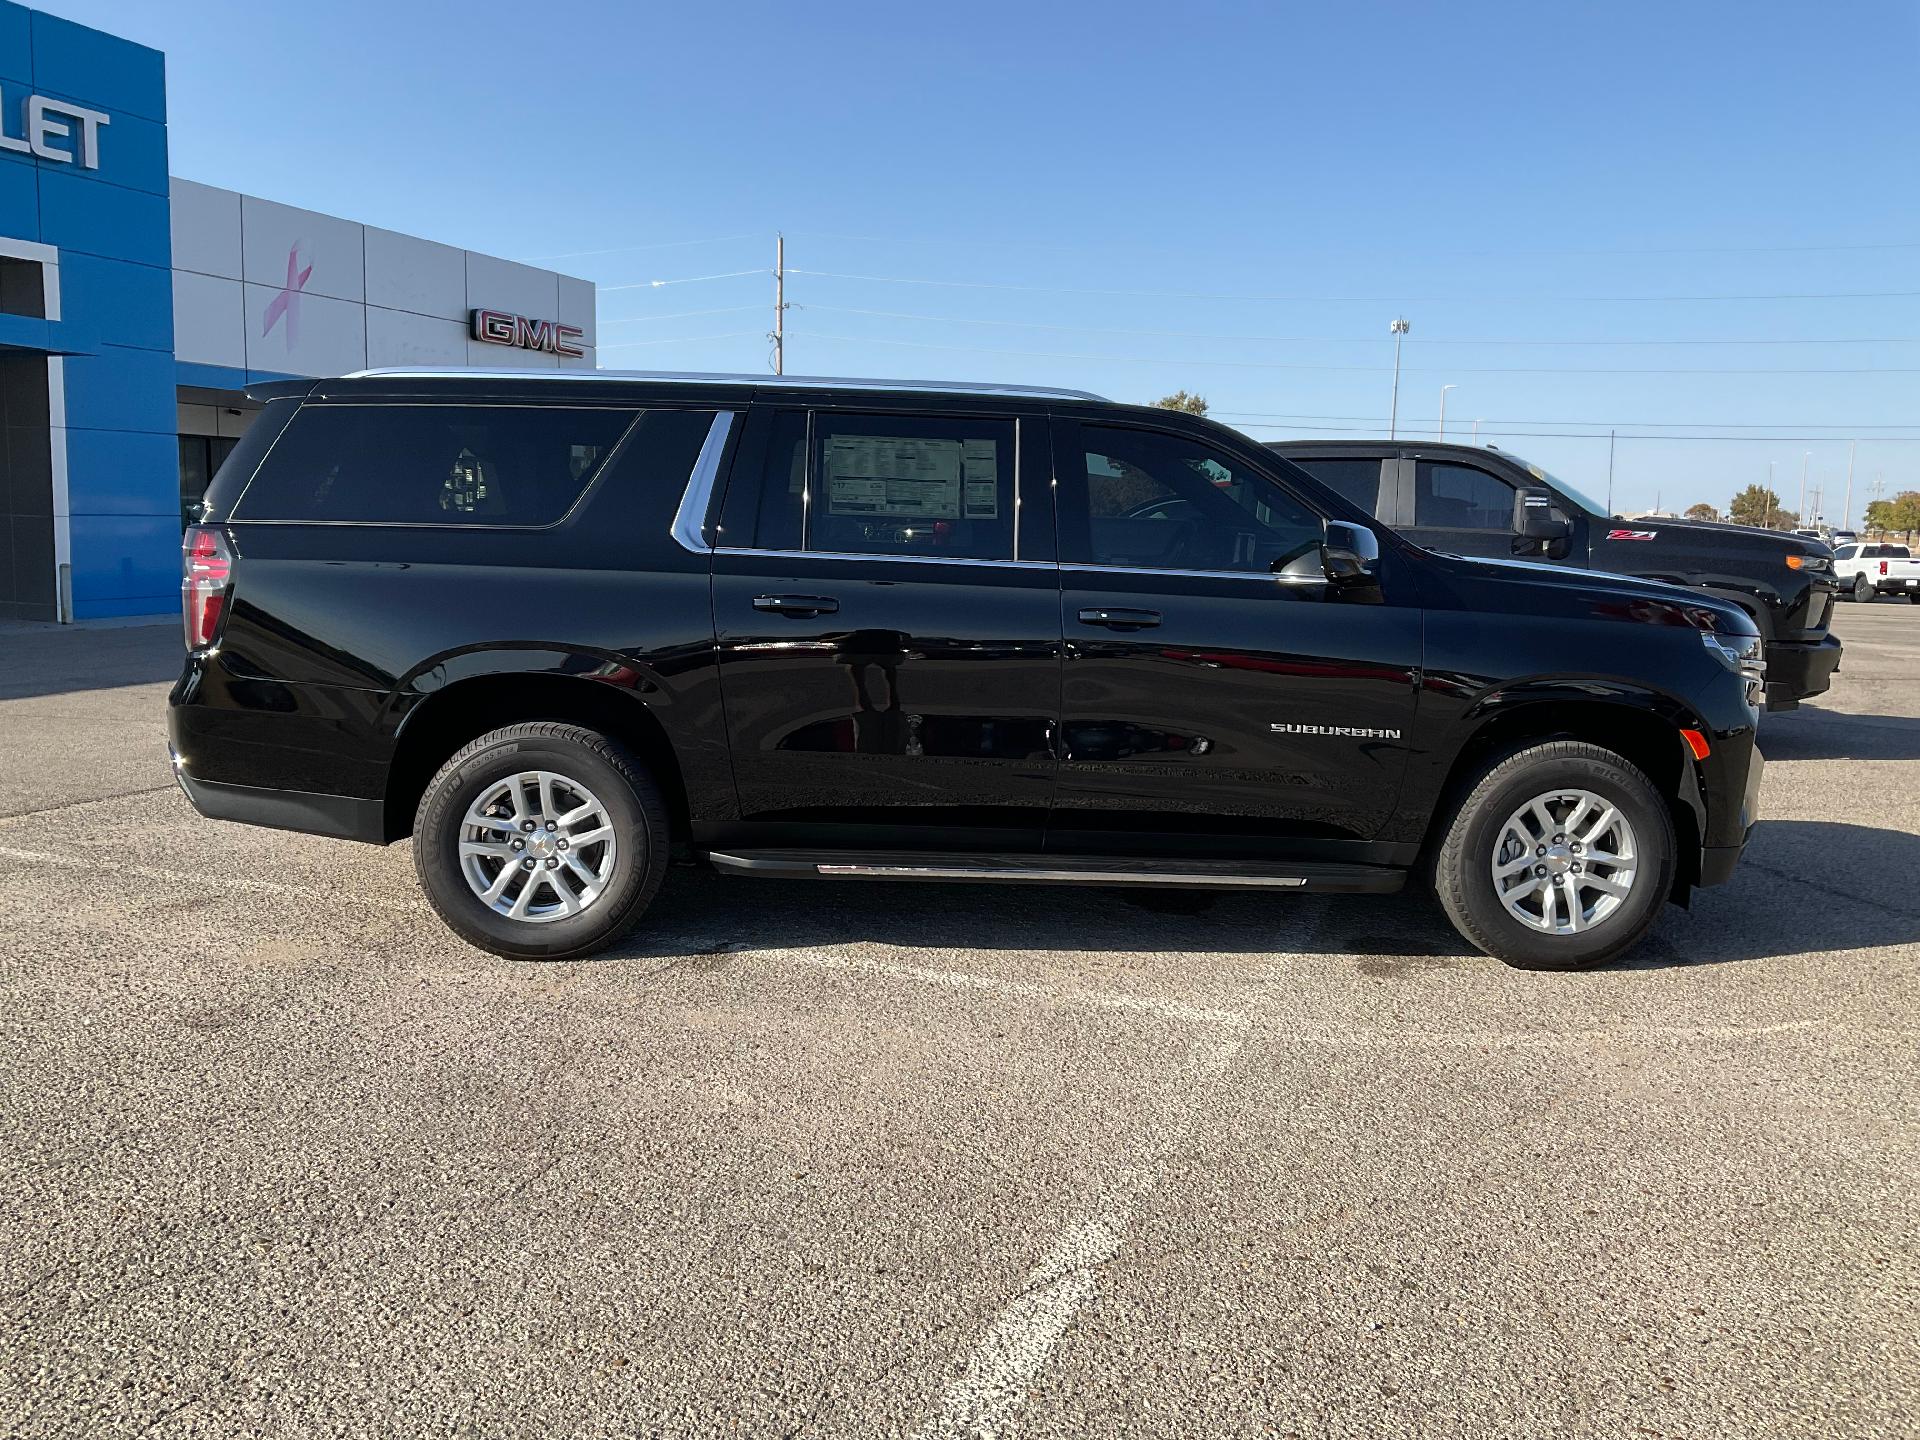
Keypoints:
pixel 1564 862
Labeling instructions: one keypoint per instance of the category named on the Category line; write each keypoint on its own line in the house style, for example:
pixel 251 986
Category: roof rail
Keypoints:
pixel 693 377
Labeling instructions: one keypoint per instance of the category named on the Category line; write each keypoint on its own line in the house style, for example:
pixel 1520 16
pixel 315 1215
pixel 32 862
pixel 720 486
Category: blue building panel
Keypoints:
pixel 125 564
pixel 121 388
pixel 19 195
pixel 85 216
pixel 133 151
pixel 123 472
pixel 74 62
pixel 16 44
pixel 122 302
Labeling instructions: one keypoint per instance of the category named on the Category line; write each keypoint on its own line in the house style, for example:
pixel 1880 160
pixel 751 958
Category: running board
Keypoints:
pixel 1060 870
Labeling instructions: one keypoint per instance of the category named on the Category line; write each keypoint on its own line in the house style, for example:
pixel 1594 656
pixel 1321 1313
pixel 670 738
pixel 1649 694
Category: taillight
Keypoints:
pixel 1883 567
pixel 206 575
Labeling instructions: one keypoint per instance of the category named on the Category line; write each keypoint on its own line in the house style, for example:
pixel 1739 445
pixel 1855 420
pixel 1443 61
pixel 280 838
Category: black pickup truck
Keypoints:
pixel 560 626
pixel 1473 500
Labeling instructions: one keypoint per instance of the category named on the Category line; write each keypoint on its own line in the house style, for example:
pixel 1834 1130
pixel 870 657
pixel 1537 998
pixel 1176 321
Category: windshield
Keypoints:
pixel 1555 482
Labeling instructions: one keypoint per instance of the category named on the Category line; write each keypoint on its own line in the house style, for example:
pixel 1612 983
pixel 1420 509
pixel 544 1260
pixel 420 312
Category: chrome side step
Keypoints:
pixel 1060 870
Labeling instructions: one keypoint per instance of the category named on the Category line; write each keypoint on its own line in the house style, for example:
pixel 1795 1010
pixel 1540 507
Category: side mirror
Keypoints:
pixel 1535 518
pixel 1350 553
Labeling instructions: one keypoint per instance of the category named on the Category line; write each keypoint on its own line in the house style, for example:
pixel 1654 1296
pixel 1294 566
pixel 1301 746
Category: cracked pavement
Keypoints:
pixel 280 1157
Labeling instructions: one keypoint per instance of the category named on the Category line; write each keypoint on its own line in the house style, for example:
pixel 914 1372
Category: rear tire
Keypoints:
pixel 515 796
pixel 1578 786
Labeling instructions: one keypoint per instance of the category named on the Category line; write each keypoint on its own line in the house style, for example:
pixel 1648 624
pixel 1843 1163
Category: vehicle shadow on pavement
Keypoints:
pixel 1791 895
pixel 1811 734
pixel 58 659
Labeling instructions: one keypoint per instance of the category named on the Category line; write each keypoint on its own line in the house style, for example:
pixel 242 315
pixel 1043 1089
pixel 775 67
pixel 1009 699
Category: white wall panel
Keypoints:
pixel 282 240
pixel 398 337
pixel 325 336
pixel 506 285
pixel 508 357
pixel 206 229
pixel 408 273
pixel 577 307
pixel 209 320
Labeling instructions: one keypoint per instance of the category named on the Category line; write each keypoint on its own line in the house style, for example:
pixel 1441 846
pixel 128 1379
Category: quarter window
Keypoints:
pixel 1163 502
pixel 1354 479
pixel 466 465
pixel 1460 497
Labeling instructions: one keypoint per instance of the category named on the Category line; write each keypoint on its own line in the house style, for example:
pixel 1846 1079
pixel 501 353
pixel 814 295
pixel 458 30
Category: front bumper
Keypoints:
pixel 1717 861
pixel 1797 670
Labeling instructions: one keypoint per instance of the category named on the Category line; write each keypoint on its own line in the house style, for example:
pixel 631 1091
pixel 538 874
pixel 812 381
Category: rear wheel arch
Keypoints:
pixel 462 712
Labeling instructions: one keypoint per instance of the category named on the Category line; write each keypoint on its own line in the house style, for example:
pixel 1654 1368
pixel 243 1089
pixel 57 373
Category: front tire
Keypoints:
pixel 1559 858
pixel 541 841
pixel 1863 590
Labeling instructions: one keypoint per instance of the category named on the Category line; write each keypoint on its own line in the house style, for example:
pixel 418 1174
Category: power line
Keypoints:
pixel 1324 339
pixel 1348 299
pixel 679 339
pixel 629 249
pixel 1845 430
pixel 683 280
pixel 676 315
pixel 1334 369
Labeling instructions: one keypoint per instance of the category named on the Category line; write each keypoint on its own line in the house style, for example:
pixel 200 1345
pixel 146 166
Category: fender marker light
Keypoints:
pixel 1696 742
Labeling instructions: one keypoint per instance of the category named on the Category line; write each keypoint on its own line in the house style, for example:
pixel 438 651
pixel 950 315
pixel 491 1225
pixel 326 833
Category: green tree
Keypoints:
pixel 1702 511
pixel 1183 402
pixel 1901 514
pixel 1755 505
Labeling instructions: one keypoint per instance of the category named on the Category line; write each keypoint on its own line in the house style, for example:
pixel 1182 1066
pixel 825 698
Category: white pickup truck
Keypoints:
pixel 1868 571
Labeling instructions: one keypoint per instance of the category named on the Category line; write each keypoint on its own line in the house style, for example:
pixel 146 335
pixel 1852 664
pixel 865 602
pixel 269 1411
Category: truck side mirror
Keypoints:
pixel 1536 518
pixel 1350 553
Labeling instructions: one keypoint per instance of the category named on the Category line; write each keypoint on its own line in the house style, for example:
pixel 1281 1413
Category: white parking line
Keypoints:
pixel 996 1373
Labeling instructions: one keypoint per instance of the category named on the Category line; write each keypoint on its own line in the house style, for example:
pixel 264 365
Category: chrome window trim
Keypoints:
pixel 689 526
pixel 1199 574
pixel 748 550
pixel 763 382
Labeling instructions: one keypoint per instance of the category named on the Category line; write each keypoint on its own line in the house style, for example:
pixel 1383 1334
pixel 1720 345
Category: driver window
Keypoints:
pixel 1164 502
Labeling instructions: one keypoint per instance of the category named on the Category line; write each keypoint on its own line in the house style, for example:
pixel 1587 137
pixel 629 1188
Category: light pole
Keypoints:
pixel 1802 518
pixel 1399 329
pixel 1766 521
pixel 1443 408
pixel 1476 432
pixel 1846 515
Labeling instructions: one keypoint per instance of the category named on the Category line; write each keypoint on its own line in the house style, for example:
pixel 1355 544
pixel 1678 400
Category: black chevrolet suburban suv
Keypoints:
pixel 562 627
pixel 1468 500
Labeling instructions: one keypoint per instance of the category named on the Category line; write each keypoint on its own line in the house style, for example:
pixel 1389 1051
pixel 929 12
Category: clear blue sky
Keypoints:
pixel 1496 172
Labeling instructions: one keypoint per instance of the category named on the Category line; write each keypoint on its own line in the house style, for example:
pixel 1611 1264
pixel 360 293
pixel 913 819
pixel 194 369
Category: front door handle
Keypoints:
pixel 1120 619
pixel 798 606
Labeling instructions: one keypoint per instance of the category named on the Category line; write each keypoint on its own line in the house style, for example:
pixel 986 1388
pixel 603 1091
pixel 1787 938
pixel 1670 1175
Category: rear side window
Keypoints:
pixel 1353 478
pixel 478 465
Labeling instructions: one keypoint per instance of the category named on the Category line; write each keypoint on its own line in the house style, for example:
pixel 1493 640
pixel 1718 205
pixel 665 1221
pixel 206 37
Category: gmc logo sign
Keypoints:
pixel 497 327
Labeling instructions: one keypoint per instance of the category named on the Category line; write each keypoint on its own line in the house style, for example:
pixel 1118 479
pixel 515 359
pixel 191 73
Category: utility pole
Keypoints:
pixel 1609 473
pixel 1476 432
pixel 1766 522
pixel 1399 329
pixel 1443 408
pixel 779 304
pixel 1804 458
pixel 1846 516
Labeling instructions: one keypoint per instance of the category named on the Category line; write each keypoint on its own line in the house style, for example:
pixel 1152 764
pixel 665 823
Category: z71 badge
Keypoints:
pixel 1631 534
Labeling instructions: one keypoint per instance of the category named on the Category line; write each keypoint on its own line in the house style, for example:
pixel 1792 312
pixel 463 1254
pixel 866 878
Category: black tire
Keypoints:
pixel 1863 590
pixel 634 807
pixel 1913 597
pixel 1462 869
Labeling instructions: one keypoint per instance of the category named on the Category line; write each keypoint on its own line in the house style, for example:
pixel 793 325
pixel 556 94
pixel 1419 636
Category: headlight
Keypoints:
pixel 1745 655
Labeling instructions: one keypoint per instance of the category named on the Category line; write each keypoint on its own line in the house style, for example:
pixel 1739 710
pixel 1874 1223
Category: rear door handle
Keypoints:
pixel 799 606
pixel 1120 619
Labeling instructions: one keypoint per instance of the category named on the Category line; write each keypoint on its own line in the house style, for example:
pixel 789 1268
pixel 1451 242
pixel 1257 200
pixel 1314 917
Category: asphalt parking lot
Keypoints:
pixel 280 1157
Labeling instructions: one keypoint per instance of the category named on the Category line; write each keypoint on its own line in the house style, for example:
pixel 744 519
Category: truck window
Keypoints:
pixel 1460 497
pixel 1164 502
pixel 467 465
pixel 1353 478
pixel 923 485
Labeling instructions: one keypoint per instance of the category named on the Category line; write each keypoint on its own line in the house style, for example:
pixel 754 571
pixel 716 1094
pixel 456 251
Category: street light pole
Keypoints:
pixel 1476 432
pixel 1846 515
pixel 1443 408
pixel 1399 329
pixel 1803 486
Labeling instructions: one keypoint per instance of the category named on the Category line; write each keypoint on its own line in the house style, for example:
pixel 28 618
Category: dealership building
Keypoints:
pixel 135 309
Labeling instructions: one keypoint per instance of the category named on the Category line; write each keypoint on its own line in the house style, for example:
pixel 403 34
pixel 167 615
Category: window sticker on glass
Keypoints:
pixel 910 479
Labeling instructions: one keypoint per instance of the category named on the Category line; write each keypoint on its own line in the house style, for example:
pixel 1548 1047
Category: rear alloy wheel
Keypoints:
pixel 541 841
pixel 1559 858
pixel 1862 588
